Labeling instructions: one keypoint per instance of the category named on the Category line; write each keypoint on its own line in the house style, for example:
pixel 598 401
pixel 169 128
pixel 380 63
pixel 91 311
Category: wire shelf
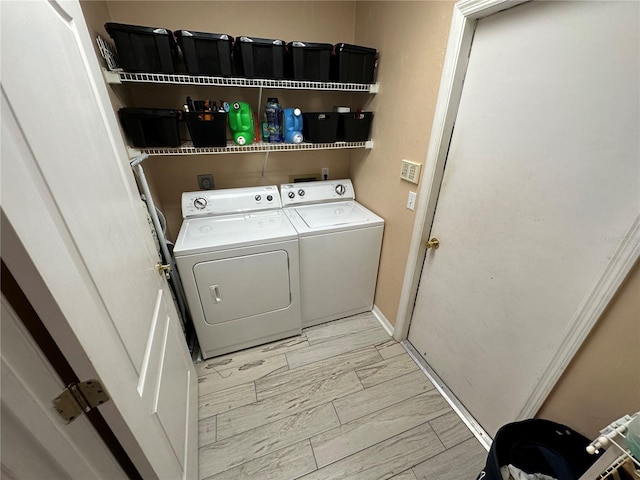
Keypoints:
pixel 181 79
pixel 187 148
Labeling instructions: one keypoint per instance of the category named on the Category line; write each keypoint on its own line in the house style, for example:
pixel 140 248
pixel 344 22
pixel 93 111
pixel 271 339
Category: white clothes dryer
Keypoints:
pixel 237 256
pixel 340 242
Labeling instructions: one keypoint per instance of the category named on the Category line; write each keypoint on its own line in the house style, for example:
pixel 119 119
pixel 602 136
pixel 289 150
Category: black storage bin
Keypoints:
pixel 308 61
pixel 259 57
pixel 206 53
pixel 538 446
pixel 354 126
pixel 353 63
pixel 144 49
pixel 207 129
pixel 320 127
pixel 151 127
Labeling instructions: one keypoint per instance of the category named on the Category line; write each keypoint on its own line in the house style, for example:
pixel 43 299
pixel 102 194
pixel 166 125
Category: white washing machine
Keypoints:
pixel 237 256
pixel 340 243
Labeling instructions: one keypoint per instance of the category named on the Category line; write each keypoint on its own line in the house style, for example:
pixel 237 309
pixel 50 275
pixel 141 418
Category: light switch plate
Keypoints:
pixel 411 201
pixel 410 171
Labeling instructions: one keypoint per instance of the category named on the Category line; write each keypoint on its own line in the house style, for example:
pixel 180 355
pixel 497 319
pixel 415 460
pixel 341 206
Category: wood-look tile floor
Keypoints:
pixel 341 401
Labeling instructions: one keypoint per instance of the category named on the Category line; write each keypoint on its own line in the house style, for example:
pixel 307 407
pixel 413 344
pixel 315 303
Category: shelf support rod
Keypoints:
pixel 259 107
pixel 264 165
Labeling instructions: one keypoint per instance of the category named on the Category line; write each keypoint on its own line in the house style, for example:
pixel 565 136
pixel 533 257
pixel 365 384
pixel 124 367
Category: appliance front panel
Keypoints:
pixel 316 192
pixel 233 335
pixel 245 286
pixel 338 273
pixel 229 200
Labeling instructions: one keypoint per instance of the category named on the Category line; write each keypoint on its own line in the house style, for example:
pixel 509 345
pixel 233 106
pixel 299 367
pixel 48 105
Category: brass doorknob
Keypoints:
pixel 433 243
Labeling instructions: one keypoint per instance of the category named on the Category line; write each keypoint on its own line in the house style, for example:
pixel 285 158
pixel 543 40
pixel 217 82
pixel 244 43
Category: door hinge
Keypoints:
pixel 79 398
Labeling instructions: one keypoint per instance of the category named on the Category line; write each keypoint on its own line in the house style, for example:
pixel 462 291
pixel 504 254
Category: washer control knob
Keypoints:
pixel 340 189
pixel 301 192
pixel 269 198
pixel 258 198
pixel 291 194
pixel 200 203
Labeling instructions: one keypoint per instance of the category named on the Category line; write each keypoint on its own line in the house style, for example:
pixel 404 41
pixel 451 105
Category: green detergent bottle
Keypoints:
pixel 241 123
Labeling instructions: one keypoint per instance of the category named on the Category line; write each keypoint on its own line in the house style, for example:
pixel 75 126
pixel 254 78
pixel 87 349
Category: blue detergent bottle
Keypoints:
pixel 292 125
pixel 273 115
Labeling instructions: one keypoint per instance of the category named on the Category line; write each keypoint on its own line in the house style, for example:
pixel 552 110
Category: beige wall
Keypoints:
pixel 411 38
pixel 602 382
pixel 329 22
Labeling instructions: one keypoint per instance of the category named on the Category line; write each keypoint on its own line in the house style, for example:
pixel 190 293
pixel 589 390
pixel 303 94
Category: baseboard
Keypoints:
pixel 383 320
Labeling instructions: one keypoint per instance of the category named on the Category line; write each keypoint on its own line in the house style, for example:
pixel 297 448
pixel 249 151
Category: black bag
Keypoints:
pixel 539 446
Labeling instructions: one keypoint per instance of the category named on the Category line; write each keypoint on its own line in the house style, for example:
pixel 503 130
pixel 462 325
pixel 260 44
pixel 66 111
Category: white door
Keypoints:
pixel 69 195
pixel 541 186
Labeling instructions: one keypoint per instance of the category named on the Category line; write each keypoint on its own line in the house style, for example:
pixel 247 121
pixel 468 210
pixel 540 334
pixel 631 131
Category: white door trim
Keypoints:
pixel 463 23
pixel 587 314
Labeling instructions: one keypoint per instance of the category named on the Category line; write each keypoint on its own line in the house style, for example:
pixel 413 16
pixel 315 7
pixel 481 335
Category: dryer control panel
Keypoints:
pixel 316 192
pixel 229 200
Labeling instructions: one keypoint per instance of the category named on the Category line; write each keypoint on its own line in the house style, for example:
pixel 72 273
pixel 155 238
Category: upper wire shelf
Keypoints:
pixel 187 148
pixel 117 77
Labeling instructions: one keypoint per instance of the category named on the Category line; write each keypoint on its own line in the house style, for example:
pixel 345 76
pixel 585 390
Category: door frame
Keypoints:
pixel 466 13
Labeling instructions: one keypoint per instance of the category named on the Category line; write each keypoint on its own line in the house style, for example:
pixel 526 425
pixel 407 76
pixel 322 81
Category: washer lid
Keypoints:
pixel 332 216
pixel 207 234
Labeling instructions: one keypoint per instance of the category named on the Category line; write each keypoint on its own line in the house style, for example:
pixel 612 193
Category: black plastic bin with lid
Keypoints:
pixel 354 126
pixel 320 127
pixel 207 129
pixel 144 49
pixel 206 53
pixel 308 61
pixel 151 127
pixel 353 63
pixel 259 57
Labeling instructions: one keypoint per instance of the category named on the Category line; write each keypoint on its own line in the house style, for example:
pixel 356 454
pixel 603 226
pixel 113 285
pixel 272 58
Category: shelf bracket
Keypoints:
pixel 111 77
pixel 138 159
pixel 133 152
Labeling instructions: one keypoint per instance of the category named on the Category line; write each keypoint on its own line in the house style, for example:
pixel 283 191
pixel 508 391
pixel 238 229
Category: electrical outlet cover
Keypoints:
pixel 205 182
